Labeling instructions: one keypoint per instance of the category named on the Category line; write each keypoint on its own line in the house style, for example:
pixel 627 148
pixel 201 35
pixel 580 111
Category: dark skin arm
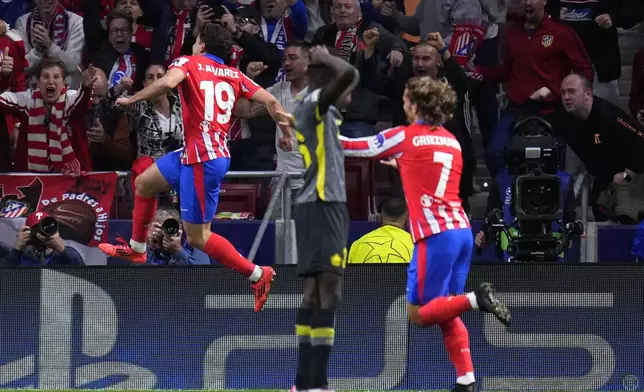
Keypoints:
pixel 345 77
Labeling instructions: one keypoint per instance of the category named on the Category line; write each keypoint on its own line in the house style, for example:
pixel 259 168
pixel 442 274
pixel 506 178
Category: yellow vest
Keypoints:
pixel 386 244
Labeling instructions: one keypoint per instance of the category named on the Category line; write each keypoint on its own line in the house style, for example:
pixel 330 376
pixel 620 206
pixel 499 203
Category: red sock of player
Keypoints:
pixel 444 309
pixel 144 209
pixel 457 343
pixel 220 249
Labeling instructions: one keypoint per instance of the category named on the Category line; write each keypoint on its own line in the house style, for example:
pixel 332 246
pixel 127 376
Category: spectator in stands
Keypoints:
pixel 43 142
pixel 636 101
pixel 155 125
pixel 114 52
pixel 539 53
pixel 12 78
pixel 346 35
pixel 596 23
pixel 434 15
pixel 141 35
pixel 425 59
pixel 12 10
pixel 164 249
pixel 288 93
pixel 50 31
pixel 177 30
pixel 283 21
pixel 390 243
pixel 245 26
pixel 608 140
pixel 32 248
pixel 107 129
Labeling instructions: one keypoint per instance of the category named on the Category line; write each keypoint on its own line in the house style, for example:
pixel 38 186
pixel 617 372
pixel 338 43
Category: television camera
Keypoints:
pixel 536 203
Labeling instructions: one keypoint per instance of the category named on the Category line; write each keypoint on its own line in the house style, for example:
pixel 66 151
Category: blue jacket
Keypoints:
pixel 638 241
pixel 186 256
pixel 69 257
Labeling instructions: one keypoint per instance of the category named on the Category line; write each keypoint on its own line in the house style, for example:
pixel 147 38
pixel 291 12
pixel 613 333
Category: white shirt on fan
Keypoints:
pixel 288 160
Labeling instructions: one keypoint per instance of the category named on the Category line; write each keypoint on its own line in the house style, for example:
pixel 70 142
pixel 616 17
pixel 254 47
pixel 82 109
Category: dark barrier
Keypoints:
pixel 575 328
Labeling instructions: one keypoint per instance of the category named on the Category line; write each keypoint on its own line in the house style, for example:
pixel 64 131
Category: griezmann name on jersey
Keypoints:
pixel 208 95
pixel 430 163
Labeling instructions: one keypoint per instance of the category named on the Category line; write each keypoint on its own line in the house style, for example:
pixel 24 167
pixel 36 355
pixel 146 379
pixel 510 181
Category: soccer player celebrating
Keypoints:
pixel 209 91
pixel 321 215
pixel 430 163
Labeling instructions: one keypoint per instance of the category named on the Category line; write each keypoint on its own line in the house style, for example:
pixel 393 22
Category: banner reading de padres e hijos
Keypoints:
pixel 81 205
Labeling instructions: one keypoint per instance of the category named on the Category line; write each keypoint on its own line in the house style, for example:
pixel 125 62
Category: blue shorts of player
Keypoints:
pixel 439 266
pixel 197 185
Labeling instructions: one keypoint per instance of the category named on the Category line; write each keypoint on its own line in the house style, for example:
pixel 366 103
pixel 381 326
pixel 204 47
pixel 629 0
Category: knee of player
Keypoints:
pixel 141 188
pixel 197 240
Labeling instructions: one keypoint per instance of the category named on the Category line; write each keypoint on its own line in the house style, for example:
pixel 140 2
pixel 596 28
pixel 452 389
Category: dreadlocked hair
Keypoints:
pixel 435 100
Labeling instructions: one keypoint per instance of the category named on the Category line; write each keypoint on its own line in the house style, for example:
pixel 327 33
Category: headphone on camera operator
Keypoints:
pixel 525 212
pixel 38 243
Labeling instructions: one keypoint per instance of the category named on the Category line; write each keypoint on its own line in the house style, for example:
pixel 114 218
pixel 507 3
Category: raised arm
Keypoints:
pixel 345 77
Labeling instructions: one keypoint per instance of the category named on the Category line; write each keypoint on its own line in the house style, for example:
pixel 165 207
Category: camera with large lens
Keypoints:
pixel 170 227
pixel 536 197
pixel 47 227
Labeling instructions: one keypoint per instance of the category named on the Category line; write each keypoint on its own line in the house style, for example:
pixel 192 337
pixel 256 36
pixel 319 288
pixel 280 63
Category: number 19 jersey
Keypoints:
pixel 208 95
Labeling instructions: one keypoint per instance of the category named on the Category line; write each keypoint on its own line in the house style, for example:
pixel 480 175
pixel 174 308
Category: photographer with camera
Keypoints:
pixel 166 243
pixel 531 206
pixel 38 243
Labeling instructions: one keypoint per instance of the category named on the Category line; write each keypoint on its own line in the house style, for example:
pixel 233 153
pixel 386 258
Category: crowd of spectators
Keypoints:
pixel 482 47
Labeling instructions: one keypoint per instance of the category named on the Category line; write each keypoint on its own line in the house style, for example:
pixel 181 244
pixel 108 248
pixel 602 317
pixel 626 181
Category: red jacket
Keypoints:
pixel 541 60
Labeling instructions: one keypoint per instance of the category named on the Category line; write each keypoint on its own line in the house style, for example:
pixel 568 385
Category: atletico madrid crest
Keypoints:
pixel 14 209
pixel 547 40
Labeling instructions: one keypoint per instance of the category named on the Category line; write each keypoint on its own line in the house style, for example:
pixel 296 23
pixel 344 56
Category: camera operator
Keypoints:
pixel 534 186
pixel 607 140
pixel 166 243
pixel 38 243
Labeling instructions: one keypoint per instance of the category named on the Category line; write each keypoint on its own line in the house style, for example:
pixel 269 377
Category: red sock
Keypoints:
pixel 457 343
pixel 444 309
pixel 220 249
pixel 144 210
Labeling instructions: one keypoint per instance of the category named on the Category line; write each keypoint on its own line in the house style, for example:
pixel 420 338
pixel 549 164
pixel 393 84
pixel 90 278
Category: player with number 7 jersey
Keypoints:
pixel 209 91
pixel 430 163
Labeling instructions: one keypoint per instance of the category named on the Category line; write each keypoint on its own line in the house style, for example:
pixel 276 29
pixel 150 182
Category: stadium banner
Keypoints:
pixel 81 205
pixel 575 327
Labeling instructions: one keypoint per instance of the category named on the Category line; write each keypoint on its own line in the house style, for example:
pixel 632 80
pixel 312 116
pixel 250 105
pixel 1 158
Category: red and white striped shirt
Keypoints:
pixel 430 165
pixel 209 94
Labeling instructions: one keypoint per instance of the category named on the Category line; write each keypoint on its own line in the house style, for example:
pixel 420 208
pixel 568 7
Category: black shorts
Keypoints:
pixel 322 234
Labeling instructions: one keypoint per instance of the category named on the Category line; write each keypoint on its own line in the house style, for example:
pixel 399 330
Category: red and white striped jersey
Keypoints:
pixel 209 94
pixel 430 165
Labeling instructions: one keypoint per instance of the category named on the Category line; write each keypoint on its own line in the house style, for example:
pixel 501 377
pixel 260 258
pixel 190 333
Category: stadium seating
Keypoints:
pixel 360 188
pixel 239 197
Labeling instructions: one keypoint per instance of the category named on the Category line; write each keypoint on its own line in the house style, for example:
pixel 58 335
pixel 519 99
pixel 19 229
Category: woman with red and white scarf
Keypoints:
pixel 50 31
pixel 44 143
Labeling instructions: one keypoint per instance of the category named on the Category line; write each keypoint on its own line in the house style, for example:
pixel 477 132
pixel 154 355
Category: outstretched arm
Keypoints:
pixel 386 144
pixel 159 87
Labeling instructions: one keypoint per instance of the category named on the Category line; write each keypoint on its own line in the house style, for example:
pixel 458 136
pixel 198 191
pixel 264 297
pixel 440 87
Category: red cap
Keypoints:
pixel 36 217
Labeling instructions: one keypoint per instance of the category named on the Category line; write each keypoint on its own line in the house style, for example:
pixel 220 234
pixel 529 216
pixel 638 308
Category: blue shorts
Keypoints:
pixel 197 185
pixel 439 266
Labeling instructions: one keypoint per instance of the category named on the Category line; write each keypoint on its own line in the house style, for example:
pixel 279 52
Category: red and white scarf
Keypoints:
pixel 49 148
pixel 125 66
pixel 347 41
pixel 58 26
pixel 465 42
pixel 177 34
